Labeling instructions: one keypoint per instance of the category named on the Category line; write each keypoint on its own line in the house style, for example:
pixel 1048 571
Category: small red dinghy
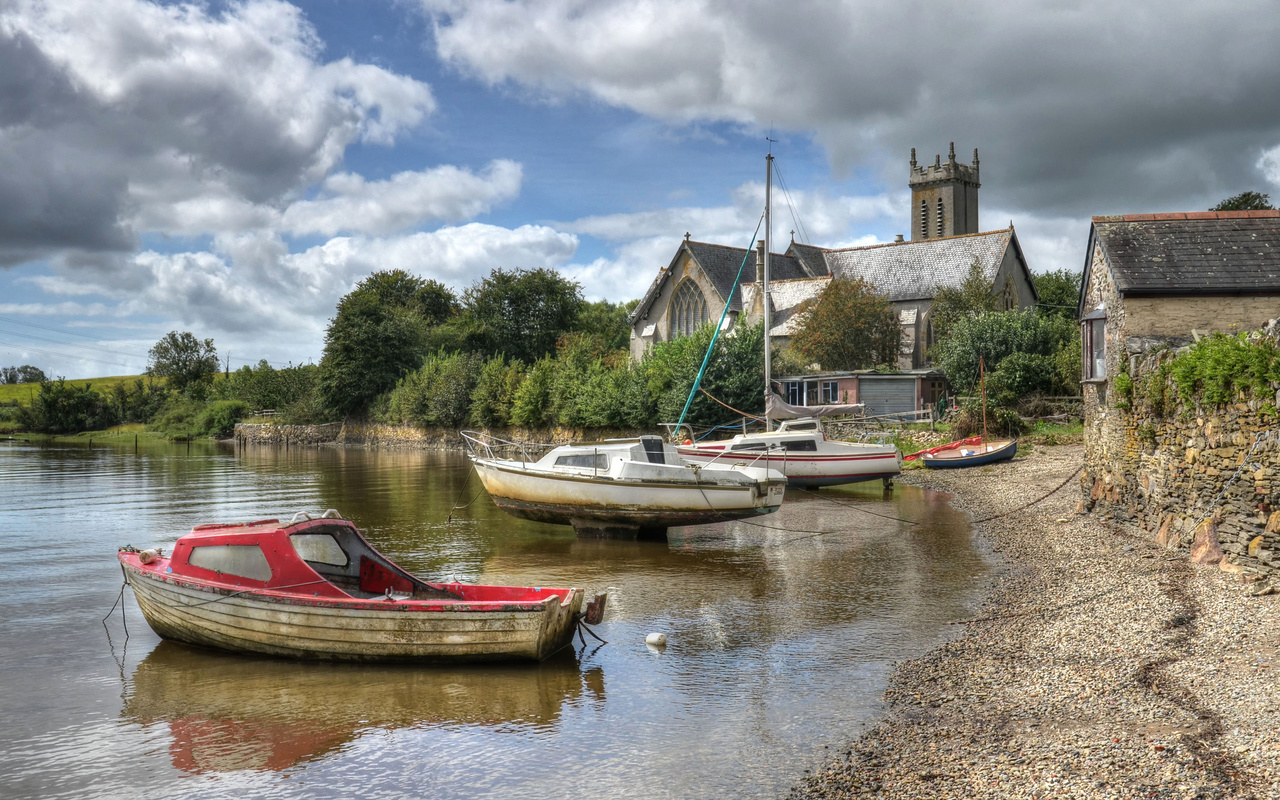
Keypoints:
pixel 314 588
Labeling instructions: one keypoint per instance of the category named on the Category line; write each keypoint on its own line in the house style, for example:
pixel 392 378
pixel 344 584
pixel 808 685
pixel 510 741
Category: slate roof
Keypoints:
pixel 916 270
pixel 786 297
pixel 720 264
pixel 811 259
pixel 1222 252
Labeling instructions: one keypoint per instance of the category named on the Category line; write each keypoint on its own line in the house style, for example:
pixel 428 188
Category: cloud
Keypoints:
pixel 1080 108
pixel 350 203
pixel 119 117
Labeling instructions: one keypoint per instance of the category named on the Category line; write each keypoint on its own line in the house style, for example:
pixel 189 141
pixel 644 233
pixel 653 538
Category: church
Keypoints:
pixel 945 241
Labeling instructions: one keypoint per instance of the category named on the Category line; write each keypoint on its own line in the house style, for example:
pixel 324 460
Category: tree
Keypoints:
pixel 848 326
pixel 1246 201
pixel 520 313
pixel 377 335
pixel 1059 292
pixel 972 299
pixel 187 362
pixel 607 322
pixel 993 337
pixel 23 374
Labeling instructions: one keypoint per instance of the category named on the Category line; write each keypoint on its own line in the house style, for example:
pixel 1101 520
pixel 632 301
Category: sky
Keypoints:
pixel 233 169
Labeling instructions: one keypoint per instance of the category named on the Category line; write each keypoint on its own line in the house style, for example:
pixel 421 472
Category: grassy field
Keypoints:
pixel 24 392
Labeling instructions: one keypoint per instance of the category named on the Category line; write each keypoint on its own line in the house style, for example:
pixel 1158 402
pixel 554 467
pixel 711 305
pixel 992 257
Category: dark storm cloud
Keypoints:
pixel 1078 107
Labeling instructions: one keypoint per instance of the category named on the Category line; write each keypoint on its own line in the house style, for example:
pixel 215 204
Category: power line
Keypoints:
pixel 49 328
pixel 68 344
pixel 69 355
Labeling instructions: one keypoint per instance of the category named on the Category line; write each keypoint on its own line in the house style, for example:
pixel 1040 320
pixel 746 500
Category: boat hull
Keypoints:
pixel 819 470
pixel 942 461
pixel 352 630
pixel 574 500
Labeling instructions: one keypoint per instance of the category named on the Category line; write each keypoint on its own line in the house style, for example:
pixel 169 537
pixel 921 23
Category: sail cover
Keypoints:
pixel 777 408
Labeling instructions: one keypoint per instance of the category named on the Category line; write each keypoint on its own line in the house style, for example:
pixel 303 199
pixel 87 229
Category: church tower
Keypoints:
pixel 944 197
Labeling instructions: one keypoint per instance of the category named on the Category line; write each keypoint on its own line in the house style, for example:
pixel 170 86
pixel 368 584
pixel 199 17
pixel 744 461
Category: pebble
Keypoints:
pixel 1093 671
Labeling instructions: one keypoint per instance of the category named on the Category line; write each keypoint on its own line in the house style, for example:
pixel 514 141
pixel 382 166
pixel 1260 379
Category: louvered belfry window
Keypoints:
pixel 924 219
pixel 941 230
pixel 688 309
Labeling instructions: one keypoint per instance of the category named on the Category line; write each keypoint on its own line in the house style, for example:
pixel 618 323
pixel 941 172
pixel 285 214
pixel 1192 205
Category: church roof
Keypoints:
pixel 720 264
pixel 916 270
pixel 786 296
pixel 1224 252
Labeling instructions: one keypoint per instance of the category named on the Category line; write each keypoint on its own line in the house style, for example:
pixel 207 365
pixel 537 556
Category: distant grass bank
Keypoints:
pixel 24 393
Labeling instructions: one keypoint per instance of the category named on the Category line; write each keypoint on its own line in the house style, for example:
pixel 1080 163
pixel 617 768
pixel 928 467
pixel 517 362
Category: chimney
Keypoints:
pixel 897 239
pixel 760 262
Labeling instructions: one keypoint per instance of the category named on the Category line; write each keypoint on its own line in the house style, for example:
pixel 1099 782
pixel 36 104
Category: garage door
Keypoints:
pixel 887 395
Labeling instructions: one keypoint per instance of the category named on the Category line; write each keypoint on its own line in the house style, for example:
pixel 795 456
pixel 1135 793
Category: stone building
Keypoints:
pixel 1201 478
pixel 1160 280
pixel 694 287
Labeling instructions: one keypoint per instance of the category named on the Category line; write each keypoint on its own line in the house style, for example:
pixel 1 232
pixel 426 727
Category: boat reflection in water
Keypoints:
pixel 227 712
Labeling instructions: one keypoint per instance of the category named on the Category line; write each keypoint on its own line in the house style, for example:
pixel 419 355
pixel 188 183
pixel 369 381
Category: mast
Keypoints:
pixel 768 315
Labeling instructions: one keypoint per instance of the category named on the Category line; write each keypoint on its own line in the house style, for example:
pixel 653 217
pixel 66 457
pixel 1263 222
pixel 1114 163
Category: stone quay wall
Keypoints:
pixel 1203 480
pixel 407 437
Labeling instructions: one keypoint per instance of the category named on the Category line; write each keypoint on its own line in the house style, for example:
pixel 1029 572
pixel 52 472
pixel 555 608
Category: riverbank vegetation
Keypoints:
pixel 523 348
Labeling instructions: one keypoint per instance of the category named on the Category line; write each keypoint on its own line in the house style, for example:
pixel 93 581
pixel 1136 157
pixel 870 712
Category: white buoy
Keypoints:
pixel 148 556
pixel 656 639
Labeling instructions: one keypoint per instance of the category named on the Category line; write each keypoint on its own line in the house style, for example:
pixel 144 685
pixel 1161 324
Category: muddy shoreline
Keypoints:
pixel 1100 666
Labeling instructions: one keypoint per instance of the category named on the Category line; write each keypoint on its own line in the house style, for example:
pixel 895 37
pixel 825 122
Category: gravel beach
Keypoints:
pixel 1102 666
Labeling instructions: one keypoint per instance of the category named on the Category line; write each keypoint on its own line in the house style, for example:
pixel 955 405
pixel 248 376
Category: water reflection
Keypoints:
pixel 226 712
pixel 781 634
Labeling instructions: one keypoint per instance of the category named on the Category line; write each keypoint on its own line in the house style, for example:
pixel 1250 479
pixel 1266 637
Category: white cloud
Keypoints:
pixel 1269 165
pixel 1132 107
pixel 350 203
pixel 122 117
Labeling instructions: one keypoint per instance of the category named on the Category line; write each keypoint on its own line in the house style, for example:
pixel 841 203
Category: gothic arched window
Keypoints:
pixel 688 309
pixel 940 215
pixel 924 219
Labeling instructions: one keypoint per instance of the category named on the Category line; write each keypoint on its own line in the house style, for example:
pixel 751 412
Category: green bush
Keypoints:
pixel 178 419
pixel 438 393
pixel 1021 374
pixel 994 337
pixel 1219 366
pixel 495 391
pixel 138 403
pixel 531 406
pixel 63 408
pixel 1001 420
pixel 218 419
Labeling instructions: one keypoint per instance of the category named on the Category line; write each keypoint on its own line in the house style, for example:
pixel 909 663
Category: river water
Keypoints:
pixel 781 637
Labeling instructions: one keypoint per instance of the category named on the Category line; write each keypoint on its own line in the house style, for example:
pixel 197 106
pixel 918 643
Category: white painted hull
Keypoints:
pixel 352 630
pixel 563 498
pixel 833 464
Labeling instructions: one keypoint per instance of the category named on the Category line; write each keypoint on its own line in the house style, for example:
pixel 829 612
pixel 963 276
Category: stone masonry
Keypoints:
pixel 1202 480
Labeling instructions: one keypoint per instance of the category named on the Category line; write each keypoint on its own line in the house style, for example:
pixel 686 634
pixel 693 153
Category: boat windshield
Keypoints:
pixel 584 460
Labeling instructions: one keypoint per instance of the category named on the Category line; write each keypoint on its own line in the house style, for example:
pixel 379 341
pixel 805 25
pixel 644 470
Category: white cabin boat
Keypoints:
pixel 632 487
pixel 802 452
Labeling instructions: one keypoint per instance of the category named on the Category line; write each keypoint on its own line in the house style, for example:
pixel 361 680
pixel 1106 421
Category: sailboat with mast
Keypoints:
pixel 798 447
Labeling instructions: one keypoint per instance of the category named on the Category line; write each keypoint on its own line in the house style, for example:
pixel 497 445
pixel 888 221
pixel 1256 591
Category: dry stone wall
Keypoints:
pixel 1202 480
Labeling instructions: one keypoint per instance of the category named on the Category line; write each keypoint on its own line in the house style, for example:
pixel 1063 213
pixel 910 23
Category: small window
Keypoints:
pixel 795 393
pixel 801 445
pixel 748 446
pixel 1095 347
pixel 238 560
pixel 804 426
pixel 321 548
pixel 831 391
pixel 584 460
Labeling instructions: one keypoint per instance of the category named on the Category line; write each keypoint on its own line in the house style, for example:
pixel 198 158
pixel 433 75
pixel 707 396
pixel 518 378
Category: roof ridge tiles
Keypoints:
pixel 1188 216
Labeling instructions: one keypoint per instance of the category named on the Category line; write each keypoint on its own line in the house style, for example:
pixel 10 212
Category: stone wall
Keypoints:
pixel 407 437
pixel 1203 480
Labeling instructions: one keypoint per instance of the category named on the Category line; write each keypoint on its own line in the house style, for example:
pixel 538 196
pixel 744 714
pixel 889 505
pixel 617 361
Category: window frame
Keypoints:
pixel 829 392
pixel 1093 338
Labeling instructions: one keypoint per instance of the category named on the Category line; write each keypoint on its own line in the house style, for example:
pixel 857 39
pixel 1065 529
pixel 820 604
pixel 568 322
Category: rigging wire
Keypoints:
pixel 791 206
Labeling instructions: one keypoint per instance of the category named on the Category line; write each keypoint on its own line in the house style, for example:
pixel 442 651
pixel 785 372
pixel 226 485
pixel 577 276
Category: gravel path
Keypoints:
pixel 1103 666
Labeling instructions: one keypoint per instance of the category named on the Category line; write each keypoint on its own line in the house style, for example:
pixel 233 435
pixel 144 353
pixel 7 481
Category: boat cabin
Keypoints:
pixel 324 557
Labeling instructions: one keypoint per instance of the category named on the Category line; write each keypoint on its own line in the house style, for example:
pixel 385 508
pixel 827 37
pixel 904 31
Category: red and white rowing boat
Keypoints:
pixel 315 588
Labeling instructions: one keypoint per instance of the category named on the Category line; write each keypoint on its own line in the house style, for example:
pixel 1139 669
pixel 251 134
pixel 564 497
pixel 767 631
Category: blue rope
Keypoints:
pixel 697 382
